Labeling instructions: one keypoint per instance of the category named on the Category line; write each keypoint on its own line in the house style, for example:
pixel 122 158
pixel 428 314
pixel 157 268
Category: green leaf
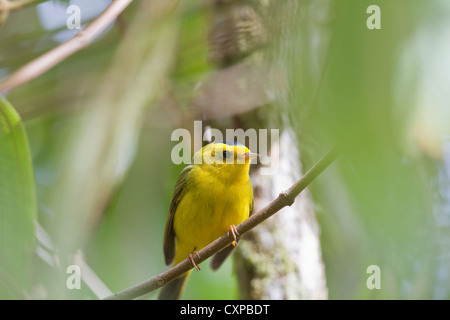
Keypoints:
pixel 17 205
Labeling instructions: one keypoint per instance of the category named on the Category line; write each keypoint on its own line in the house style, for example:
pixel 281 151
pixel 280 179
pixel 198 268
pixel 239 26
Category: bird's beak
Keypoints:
pixel 250 156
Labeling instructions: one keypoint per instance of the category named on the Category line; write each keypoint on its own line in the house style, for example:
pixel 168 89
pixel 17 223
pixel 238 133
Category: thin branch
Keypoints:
pixel 90 278
pixel 51 58
pixel 284 199
pixel 7 6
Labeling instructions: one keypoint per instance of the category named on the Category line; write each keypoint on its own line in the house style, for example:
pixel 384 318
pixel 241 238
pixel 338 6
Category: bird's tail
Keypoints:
pixel 174 289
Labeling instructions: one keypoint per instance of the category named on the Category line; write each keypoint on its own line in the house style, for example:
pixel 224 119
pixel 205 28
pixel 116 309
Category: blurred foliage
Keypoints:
pixel 17 194
pixel 379 208
pixel 99 128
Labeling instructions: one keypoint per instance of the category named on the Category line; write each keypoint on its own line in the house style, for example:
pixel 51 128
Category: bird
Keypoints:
pixel 211 196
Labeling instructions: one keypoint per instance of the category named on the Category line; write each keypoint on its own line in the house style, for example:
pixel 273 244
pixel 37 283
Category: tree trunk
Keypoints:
pixel 281 259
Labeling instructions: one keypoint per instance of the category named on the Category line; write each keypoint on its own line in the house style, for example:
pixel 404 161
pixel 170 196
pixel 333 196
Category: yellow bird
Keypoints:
pixel 210 197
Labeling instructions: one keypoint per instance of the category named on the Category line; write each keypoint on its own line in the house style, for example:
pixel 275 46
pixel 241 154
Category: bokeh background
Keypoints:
pixel 99 128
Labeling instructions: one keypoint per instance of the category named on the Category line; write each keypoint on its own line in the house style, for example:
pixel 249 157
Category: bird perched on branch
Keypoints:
pixel 210 198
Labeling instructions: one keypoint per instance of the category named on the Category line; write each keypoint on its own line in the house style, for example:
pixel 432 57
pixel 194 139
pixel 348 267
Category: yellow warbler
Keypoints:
pixel 210 197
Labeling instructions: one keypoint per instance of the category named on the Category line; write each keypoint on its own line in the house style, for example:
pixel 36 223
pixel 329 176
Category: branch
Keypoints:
pixel 6 6
pixel 51 58
pixel 284 199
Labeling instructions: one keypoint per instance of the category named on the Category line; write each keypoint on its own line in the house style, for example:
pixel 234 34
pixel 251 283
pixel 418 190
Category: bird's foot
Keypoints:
pixel 191 259
pixel 233 232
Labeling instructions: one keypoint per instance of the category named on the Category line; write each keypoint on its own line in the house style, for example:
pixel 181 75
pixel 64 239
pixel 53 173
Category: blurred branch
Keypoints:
pixel 47 251
pixel 6 6
pixel 285 198
pixel 96 156
pixel 90 278
pixel 51 58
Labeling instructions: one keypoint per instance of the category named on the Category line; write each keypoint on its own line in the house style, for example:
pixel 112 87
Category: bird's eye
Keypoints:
pixel 226 154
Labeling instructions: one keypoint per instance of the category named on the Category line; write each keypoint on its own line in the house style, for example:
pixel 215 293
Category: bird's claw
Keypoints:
pixel 191 259
pixel 233 232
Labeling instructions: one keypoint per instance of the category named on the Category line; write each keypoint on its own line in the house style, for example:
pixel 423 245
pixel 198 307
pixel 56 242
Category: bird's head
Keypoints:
pixel 227 159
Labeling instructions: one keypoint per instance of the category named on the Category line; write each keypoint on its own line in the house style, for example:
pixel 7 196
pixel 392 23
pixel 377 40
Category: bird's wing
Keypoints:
pixel 181 187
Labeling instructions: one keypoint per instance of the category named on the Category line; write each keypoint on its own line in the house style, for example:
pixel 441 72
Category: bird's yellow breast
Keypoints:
pixel 208 209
